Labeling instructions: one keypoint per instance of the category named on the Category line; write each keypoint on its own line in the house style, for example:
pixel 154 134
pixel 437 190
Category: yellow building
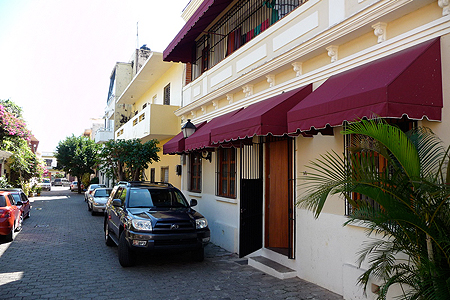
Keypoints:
pixel 273 83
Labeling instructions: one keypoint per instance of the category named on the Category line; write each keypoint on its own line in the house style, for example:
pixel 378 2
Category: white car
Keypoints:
pixel 97 200
pixel 45 184
pixel 91 189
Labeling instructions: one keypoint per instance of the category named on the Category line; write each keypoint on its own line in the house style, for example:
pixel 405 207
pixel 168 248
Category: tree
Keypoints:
pixel 11 122
pixel 24 165
pixel 77 156
pixel 412 210
pixel 127 159
pixel 14 137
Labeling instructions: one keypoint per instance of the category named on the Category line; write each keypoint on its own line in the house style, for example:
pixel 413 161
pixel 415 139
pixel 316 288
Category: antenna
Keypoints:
pixel 137 35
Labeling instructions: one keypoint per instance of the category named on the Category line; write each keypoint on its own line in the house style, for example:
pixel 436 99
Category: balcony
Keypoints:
pixel 153 122
pixel 103 135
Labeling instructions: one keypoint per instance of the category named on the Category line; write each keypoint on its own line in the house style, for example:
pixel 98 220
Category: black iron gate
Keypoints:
pixel 251 198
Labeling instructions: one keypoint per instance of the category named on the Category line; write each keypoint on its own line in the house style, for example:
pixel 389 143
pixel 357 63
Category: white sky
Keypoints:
pixel 57 56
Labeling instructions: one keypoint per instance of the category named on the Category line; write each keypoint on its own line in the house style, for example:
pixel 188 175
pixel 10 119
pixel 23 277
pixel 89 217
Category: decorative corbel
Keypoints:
pixel 445 5
pixel 271 80
pixel 298 68
pixel 193 114
pixel 215 104
pixel 333 52
pixel 183 119
pixel 379 29
pixel 203 108
pixel 248 90
pixel 230 98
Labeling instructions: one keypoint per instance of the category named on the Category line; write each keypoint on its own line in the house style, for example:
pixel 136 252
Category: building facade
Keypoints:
pixel 272 85
pixel 141 105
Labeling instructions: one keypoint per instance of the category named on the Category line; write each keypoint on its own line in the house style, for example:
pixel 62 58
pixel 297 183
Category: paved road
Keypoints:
pixel 61 254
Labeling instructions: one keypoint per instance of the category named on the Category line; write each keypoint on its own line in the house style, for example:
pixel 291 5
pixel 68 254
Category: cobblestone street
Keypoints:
pixel 61 254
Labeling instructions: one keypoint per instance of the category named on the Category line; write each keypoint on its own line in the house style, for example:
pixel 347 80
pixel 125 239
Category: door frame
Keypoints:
pixel 291 225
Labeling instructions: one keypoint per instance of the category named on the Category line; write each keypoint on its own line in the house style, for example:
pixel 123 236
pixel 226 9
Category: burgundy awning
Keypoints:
pixel 201 138
pixel 405 83
pixel 175 145
pixel 182 46
pixel 262 118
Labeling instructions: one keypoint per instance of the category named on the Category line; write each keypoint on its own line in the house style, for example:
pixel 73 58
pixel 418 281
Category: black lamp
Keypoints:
pixel 188 129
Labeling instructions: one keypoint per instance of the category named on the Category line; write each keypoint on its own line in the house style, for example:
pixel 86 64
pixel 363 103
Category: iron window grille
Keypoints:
pixel 167 94
pixel 244 21
pixel 380 163
pixel 226 172
pixel 195 172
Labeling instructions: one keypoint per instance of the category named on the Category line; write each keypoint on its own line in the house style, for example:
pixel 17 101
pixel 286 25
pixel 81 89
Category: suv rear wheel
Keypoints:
pixel 126 257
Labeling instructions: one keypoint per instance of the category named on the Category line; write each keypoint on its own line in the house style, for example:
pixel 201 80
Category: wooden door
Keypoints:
pixel 278 202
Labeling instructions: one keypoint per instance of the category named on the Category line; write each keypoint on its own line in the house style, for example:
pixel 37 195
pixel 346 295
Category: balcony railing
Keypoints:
pixel 154 121
pixel 103 135
pixel 240 24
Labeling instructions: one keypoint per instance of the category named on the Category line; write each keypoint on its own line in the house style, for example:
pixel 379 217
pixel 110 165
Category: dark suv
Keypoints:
pixel 144 216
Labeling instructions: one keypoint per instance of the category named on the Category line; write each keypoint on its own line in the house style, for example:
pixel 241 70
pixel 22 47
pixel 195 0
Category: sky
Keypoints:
pixel 57 56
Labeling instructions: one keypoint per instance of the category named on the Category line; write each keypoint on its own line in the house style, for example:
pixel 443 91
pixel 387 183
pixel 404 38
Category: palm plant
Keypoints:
pixel 409 211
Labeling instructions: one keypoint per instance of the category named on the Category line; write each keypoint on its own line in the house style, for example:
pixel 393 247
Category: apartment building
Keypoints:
pixel 272 85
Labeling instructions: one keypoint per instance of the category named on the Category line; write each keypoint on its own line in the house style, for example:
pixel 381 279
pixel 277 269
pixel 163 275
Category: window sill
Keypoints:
pixel 194 194
pixel 227 200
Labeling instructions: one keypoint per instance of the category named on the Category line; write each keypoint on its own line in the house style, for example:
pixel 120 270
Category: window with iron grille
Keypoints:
pixel 244 21
pixel 226 172
pixel 379 162
pixel 167 94
pixel 195 172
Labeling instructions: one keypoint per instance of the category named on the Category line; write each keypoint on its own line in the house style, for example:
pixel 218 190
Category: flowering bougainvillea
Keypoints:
pixel 12 126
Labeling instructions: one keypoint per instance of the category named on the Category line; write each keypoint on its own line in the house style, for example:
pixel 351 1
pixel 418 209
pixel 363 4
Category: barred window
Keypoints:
pixel 380 163
pixel 167 94
pixel 226 172
pixel 195 172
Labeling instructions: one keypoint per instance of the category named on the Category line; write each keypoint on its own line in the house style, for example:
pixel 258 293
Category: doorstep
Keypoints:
pixel 271 267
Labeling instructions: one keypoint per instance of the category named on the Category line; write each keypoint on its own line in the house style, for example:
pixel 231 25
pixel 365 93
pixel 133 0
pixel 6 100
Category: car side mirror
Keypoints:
pixel 117 203
pixel 19 203
pixel 194 202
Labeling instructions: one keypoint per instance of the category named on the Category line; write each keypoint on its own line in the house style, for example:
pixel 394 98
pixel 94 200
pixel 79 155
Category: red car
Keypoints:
pixel 10 215
pixel 19 196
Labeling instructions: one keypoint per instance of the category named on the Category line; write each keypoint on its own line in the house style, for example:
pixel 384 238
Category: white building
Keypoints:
pixel 272 84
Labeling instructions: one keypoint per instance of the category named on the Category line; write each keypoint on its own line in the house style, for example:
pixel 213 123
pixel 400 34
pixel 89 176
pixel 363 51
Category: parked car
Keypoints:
pixel 20 197
pixel 91 189
pixel 144 216
pixel 74 186
pixel 57 182
pixel 45 184
pixel 97 200
pixel 65 182
pixel 11 217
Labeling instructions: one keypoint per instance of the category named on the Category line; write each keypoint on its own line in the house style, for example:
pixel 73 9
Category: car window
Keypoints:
pixel 156 198
pixel 16 198
pixel 121 194
pixel 102 193
pixel 140 198
pixel 2 201
pixel 11 199
pixel 24 197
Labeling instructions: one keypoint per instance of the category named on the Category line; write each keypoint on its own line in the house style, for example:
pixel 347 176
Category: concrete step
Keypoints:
pixel 271 267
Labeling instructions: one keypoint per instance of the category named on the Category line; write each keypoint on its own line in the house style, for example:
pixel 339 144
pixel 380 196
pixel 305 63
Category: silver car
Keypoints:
pixel 97 200
pixel 91 189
